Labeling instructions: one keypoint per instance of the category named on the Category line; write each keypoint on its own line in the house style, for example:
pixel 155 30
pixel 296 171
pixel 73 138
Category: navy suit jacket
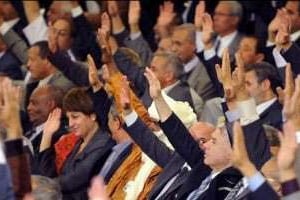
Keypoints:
pixel 272 115
pixel 10 66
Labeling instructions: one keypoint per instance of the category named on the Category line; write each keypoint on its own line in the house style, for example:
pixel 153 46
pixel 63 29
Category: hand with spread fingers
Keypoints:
pixel 240 158
pixel 233 83
pixel 10 109
pixel 134 14
pixel 51 126
pixel 200 10
pixel 93 74
pixel 287 152
pixel 166 14
pixel 289 85
pixel 291 108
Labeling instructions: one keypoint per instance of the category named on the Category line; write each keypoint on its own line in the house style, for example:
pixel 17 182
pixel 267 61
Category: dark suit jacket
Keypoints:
pixel 10 66
pixel 170 161
pixel 272 115
pixel 265 190
pixel 78 170
pixel 117 163
pixel 292 56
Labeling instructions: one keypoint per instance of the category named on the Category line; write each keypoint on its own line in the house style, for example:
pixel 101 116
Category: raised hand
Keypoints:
pixel 154 84
pixel 289 85
pixel 53 122
pixel 113 8
pixel 166 14
pixel 103 40
pixel 207 31
pixel 10 108
pixel 291 108
pixel 125 94
pixel 240 158
pixel 287 152
pixel 238 78
pixel 106 23
pixel 200 10
pixel 134 12
pixel 52 38
pixel 282 39
pixel 281 17
pixel 224 75
pixel 93 74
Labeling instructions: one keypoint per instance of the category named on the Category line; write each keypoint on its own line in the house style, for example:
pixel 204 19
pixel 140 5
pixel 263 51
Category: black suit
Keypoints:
pixel 272 115
pixel 10 66
pixel 257 146
pixel 265 190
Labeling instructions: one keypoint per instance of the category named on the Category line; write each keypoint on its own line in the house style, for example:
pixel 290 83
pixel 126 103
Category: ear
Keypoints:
pixel 51 104
pixel 266 84
pixel 259 57
pixel 93 117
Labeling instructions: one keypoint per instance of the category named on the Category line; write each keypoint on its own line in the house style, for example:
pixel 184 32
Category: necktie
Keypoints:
pixel 182 174
pixel 204 185
pixel 233 193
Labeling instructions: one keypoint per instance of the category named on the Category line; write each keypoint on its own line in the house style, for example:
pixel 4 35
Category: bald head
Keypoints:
pixel 201 132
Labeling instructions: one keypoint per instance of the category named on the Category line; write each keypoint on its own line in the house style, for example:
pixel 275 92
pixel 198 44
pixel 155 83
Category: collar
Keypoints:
pixel 170 87
pixel 191 64
pixel 121 146
pixel 38 130
pixel 295 36
pixel 45 81
pixel 71 55
pixel 2 53
pixel 265 105
pixel 214 174
pixel 12 22
pixel 225 41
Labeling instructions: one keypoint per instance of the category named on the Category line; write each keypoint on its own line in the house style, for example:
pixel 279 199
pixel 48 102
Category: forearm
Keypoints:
pixel 32 10
pixel 163 109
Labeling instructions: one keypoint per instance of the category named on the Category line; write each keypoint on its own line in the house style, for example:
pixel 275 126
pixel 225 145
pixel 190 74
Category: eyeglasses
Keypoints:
pixel 56 31
pixel 223 14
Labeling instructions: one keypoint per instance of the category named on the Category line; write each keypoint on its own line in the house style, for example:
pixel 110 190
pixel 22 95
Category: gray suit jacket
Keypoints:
pixel 16 45
pixel 234 45
pixel 200 81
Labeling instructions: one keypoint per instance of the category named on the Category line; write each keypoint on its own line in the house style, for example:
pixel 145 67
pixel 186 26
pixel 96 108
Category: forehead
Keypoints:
pixel 34 51
pixel 39 93
pixel 179 34
pixel 292 6
pixel 223 7
pixel 62 24
pixel 249 41
pixel 158 60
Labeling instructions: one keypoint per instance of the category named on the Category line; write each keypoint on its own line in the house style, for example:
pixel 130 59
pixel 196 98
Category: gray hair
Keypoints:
pixel 235 7
pixel 190 28
pixel 46 188
pixel 173 62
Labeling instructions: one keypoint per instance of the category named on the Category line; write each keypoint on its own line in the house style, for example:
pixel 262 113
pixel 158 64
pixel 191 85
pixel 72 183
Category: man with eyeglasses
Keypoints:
pixel 224 33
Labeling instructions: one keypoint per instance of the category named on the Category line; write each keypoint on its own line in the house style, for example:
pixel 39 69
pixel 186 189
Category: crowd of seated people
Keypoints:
pixel 158 100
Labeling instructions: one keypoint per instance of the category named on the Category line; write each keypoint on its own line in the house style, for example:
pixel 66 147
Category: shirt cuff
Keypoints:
pixel 269 43
pixel 233 115
pixel 248 112
pixel 119 31
pixel 289 187
pixel 130 118
pixel 208 54
pixel 134 36
pixel 4 28
pixel 279 59
pixel 255 181
pixel 199 43
pixel 76 11
pixel 37 30
pixel 2 155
